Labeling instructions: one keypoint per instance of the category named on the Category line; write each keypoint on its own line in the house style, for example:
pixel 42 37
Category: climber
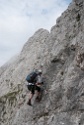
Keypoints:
pixel 34 80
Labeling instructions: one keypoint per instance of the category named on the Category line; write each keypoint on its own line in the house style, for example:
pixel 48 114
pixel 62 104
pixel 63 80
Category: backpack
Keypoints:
pixel 31 77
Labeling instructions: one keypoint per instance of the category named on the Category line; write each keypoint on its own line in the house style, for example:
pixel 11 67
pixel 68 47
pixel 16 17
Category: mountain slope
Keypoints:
pixel 62 54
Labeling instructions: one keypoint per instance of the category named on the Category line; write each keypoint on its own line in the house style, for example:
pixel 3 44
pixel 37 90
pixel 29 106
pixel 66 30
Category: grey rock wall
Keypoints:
pixel 61 51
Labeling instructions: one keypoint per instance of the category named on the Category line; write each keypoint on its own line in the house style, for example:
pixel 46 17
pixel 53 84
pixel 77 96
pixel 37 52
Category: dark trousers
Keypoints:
pixel 32 88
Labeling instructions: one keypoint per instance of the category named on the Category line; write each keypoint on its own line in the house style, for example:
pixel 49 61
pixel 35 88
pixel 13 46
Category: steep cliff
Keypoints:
pixel 61 51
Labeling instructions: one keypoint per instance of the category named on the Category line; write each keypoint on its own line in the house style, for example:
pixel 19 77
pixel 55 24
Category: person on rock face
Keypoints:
pixel 34 81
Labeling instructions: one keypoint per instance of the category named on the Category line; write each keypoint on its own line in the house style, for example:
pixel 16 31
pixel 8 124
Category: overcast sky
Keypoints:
pixel 19 19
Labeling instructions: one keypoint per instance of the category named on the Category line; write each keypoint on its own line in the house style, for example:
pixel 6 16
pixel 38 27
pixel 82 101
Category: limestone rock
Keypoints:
pixel 61 52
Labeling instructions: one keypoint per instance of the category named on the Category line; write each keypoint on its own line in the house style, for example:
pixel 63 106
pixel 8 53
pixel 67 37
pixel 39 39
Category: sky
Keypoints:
pixel 19 19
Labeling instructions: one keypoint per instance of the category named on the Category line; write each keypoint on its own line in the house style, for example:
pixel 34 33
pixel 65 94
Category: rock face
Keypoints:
pixel 62 54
